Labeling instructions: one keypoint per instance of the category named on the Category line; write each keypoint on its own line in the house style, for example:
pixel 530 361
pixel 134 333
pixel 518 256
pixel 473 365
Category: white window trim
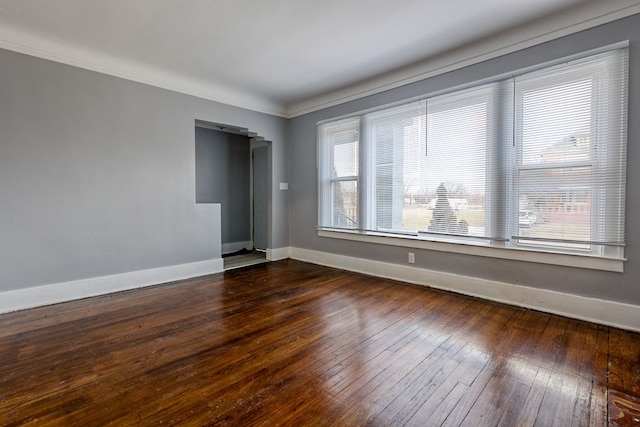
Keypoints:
pixel 587 261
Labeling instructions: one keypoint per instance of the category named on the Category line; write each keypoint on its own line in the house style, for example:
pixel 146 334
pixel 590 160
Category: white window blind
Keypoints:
pixel 430 158
pixel 571 154
pixel 536 162
pixel 457 174
pixel 395 138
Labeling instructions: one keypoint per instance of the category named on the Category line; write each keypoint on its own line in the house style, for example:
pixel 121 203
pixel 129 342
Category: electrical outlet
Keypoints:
pixel 412 258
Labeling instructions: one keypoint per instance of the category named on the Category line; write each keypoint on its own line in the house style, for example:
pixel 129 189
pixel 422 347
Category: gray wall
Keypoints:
pixel 613 286
pixel 97 174
pixel 222 176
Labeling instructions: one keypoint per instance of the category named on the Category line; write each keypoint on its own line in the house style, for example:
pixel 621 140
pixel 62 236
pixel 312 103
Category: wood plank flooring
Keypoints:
pixel 290 343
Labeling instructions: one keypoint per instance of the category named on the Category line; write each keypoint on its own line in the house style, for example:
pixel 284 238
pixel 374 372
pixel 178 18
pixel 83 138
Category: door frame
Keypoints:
pixel 253 144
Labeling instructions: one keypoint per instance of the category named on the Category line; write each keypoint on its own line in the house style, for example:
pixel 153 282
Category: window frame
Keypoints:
pixel 518 165
pixel 327 183
pixel 597 157
pixel 502 167
pixel 371 165
pixel 484 93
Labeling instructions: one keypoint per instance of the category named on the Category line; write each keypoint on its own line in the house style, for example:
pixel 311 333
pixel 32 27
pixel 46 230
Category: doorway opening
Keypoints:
pixel 233 169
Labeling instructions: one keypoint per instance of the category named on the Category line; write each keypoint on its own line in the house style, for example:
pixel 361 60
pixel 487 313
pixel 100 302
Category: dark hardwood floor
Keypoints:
pixel 289 343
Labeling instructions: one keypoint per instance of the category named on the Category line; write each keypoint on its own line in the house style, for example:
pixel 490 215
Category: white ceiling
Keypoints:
pixel 286 57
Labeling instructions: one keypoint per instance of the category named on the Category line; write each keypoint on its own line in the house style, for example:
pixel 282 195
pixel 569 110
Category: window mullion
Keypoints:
pixel 363 179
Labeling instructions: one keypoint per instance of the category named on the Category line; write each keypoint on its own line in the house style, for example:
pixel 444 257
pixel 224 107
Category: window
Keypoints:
pixel 533 162
pixel 569 164
pixel 430 165
pixel 339 172
pixel 395 137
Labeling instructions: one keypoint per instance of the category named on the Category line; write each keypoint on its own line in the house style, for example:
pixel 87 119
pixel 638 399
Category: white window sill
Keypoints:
pixel 480 249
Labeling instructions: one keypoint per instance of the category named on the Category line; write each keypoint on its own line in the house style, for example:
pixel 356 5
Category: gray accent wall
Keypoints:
pixel 622 287
pixel 223 172
pixel 97 174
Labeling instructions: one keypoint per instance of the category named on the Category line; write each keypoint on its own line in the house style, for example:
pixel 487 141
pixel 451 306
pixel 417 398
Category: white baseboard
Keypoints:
pixel 228 248
pixel 595 310
pixel 278 254
pixel 20 299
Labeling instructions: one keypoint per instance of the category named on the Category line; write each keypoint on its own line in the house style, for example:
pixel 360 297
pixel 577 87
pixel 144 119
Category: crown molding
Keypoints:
pixel 562 24
pixel 41 47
